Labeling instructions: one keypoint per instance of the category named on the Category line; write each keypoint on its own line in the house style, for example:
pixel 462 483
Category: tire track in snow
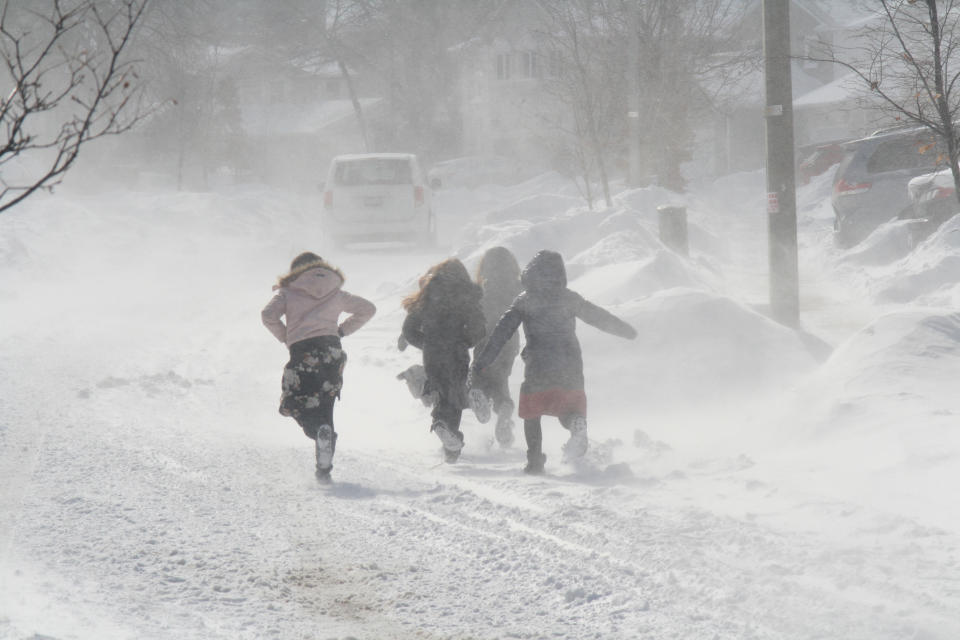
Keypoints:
pixel 726 570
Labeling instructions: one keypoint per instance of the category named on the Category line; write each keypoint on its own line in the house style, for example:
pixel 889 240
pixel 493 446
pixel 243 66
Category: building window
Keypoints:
pixel 503 66
pixel 529 64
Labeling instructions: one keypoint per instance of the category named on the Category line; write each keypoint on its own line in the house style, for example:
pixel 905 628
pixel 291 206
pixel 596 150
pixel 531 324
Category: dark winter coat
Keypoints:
pixel 548 312
pixel 445 325
pixel 498 294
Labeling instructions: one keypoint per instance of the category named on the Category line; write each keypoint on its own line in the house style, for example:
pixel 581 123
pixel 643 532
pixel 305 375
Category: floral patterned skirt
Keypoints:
pixel 314 375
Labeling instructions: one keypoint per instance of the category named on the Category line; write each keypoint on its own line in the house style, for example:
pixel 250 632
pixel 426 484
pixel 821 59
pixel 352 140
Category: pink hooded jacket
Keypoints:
pixel 312 302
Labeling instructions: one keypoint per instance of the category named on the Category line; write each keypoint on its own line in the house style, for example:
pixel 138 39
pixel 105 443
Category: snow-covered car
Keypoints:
pixel 816 159
pixel 476 171
pixel 870 186
pixel 934 199
pixel 377 196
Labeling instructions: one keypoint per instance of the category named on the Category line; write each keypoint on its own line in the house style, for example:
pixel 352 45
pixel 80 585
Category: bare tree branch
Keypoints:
pixel 71 83
pixel 906 62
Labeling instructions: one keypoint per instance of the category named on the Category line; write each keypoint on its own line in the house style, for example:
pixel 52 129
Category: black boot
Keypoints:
pixel 535 462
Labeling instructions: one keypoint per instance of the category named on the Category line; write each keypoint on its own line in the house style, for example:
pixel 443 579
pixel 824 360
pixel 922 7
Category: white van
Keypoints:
pixel 378 196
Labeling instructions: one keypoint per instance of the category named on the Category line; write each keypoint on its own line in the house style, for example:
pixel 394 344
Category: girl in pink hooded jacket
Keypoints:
pixel 311 298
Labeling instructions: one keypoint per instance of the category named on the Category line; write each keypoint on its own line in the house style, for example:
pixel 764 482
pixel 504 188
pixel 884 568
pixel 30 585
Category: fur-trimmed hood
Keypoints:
pixel 317 279
pixel 293 274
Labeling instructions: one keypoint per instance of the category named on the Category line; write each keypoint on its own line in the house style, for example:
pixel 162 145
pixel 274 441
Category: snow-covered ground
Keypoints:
pixel 744 480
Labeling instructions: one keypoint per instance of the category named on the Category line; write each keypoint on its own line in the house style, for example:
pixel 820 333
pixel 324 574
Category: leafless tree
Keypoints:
pixel 908 59
pixel 585 39
pixel 406 48
pixel 66 81
pixel 671 45
pixel 688 50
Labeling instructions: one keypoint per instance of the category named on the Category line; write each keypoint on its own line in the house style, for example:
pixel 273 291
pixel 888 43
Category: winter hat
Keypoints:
pixel 303 263
pixel 544 273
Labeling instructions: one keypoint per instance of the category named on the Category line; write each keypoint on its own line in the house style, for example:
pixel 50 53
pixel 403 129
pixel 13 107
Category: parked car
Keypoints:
pixel 475 171
pixel 870 186
pixel 934 199
pixel 816 159
pixel 378 196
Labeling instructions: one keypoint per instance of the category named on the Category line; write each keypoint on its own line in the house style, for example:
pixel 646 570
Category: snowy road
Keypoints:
pixel 150 490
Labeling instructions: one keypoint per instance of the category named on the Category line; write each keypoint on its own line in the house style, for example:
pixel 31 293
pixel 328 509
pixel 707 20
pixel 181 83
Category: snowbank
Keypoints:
pixel 154 491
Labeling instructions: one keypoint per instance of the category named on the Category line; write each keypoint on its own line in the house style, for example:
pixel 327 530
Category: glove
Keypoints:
pixel 340 331
pixel 401 343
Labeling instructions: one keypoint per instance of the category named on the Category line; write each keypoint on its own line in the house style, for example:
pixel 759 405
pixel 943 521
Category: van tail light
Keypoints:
pixel 941 193
pixel 328 199
pixel 844 188
pixel 418 196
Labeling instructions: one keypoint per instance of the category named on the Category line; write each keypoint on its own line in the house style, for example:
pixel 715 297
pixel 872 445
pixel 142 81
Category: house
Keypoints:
pixel 505 108
pixel 294 114
pixel 827 106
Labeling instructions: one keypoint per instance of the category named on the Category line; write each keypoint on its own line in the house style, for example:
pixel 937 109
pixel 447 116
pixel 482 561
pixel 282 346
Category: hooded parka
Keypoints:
pixel 548 312
pixel 312 300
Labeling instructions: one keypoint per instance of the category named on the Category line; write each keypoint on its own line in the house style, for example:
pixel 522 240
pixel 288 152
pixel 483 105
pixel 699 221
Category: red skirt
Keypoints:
pixel 553 402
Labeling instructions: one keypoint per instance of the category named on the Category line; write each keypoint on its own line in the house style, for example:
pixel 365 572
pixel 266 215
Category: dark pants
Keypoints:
pixel 495 384
pixel 447 410
pixel 533 431
pixel 311 419
pixel 312 380
pixel 446 371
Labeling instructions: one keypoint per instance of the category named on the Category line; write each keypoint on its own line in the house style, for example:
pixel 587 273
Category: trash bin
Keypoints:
pixel 673 228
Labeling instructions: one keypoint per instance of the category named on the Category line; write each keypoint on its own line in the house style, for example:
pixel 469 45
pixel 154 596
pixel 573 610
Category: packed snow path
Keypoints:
pixel 150 489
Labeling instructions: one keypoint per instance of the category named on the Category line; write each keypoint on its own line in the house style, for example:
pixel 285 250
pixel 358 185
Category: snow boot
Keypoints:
pixel 323 476
pixel 504 431
pixel 416 378
pixel 535 462
pixel 480 405
pixel 577 445
pixel 326 444
pixel 452 440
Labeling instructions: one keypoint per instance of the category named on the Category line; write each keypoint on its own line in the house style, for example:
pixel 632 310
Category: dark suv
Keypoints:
pixel 870 186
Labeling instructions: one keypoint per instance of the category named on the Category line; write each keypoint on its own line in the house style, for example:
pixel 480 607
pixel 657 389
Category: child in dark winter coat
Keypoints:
pixel 553 365
pixel 444 320
pixel 311 298
pixel 499 276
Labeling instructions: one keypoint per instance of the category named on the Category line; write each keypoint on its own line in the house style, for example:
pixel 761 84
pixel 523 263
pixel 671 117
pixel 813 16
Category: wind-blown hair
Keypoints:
pixel 447 275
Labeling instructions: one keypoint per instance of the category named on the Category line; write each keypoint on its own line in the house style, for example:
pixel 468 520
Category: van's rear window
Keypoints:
pixel 373 171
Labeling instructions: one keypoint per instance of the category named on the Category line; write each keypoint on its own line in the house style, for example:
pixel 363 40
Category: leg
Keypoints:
pixel 446 424
pixel 503 405
pixel 577 445
pixel 533 432
pixel 309 421
pixel 326 437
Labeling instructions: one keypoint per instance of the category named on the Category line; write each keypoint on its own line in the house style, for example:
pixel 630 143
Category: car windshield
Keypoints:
pixel 373 171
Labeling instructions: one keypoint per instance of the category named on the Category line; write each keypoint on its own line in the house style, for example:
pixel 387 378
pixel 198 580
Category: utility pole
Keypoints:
pixel 633 113
pixel 781 181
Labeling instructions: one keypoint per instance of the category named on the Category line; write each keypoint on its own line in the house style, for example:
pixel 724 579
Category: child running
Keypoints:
pixel 311 298
pixel 444 320
pixel 499 276
pixel 553 365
